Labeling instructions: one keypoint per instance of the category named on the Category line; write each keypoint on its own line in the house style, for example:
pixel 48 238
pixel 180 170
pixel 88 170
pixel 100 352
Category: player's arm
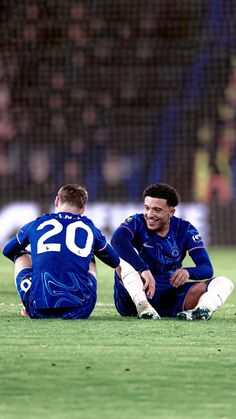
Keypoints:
pixel 12 248
pixel 108 255
pixel 18 243
pixel 121 241
pixel 103 250
pixel 202 270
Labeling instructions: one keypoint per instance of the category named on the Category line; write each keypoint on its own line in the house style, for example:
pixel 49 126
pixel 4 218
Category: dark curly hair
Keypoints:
pixel 163 191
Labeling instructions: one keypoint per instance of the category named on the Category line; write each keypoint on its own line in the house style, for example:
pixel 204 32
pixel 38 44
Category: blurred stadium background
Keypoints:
pixel 117 94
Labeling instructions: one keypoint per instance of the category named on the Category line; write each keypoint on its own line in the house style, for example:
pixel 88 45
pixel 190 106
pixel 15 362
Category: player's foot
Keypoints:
pixel 24 312
pixel 200 313
pixel 146 311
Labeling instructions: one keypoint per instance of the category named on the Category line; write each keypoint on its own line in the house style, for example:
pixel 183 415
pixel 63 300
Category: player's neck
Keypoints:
pixel 163 231
pixel 69 208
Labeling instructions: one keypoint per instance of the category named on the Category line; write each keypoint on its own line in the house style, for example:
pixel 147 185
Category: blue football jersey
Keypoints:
pixel 162 255
pixel 62 246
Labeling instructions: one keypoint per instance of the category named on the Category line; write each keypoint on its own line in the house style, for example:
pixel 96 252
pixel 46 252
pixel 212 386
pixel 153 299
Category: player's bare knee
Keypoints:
pixel 92 268
pixel 194 294
pixel 23 261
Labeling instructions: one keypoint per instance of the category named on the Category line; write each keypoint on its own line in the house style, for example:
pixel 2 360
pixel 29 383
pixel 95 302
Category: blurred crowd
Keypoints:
pixel 215 160
pixel 83 92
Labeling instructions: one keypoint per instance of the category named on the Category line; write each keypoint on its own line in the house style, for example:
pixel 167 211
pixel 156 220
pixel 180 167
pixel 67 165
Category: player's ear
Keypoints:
pixel 82 210
pixel 172 211
pixel 56 201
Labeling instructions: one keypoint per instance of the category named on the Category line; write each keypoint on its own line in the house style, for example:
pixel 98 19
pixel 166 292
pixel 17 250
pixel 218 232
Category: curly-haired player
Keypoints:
pixel 151 281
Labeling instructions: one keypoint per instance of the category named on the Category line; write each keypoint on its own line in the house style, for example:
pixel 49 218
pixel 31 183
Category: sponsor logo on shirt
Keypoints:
pixel 197 238
pixel 148 245
pixel 127 220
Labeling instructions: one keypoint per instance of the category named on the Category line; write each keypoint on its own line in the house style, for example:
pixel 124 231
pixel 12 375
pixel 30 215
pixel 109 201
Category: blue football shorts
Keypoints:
pixel 23 285
pixel 167 300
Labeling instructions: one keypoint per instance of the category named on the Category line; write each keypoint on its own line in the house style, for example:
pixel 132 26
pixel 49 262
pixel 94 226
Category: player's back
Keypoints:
pixel 62 246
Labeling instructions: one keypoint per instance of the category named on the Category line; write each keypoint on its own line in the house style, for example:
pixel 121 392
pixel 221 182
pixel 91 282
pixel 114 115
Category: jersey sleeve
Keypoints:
pixel 104 251
pixel 100 241
pixel 122 243
pixel 130 225
pixel 194 239
pixel 17 243
pixel 109 256
pixel 203 268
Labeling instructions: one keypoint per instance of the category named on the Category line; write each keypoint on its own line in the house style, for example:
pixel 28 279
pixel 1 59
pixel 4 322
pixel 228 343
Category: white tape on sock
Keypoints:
pixel 132 282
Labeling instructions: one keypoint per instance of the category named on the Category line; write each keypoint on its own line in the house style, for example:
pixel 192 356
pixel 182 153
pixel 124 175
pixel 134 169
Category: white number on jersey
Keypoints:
pixel 70 238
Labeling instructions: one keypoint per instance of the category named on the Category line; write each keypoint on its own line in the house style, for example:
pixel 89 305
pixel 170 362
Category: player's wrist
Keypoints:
pixel 144 271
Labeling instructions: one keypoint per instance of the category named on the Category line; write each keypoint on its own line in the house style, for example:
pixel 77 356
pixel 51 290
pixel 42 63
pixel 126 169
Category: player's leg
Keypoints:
pixel 217 292
pixel 22 261
pixel 84 311
pixel 93 268
pixel 86 308
pixel 23 278
pixel 204 299
pixel 132 282
pixel 122 299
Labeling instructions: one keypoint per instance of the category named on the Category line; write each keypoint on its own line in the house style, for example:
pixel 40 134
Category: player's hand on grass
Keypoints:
pixel 179 278
pixel 149 284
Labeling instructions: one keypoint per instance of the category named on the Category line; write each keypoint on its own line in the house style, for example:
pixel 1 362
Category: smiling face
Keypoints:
pixel 157 214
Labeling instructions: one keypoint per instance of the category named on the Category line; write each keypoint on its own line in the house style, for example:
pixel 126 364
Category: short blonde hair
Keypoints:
pixel 74 195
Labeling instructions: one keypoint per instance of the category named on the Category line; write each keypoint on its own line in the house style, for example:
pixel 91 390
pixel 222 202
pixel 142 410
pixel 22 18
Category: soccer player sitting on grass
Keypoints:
pixel 58 277
pixel 152 247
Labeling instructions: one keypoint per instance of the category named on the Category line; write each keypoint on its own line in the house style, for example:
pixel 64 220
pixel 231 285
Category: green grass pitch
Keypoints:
pixel 117 368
